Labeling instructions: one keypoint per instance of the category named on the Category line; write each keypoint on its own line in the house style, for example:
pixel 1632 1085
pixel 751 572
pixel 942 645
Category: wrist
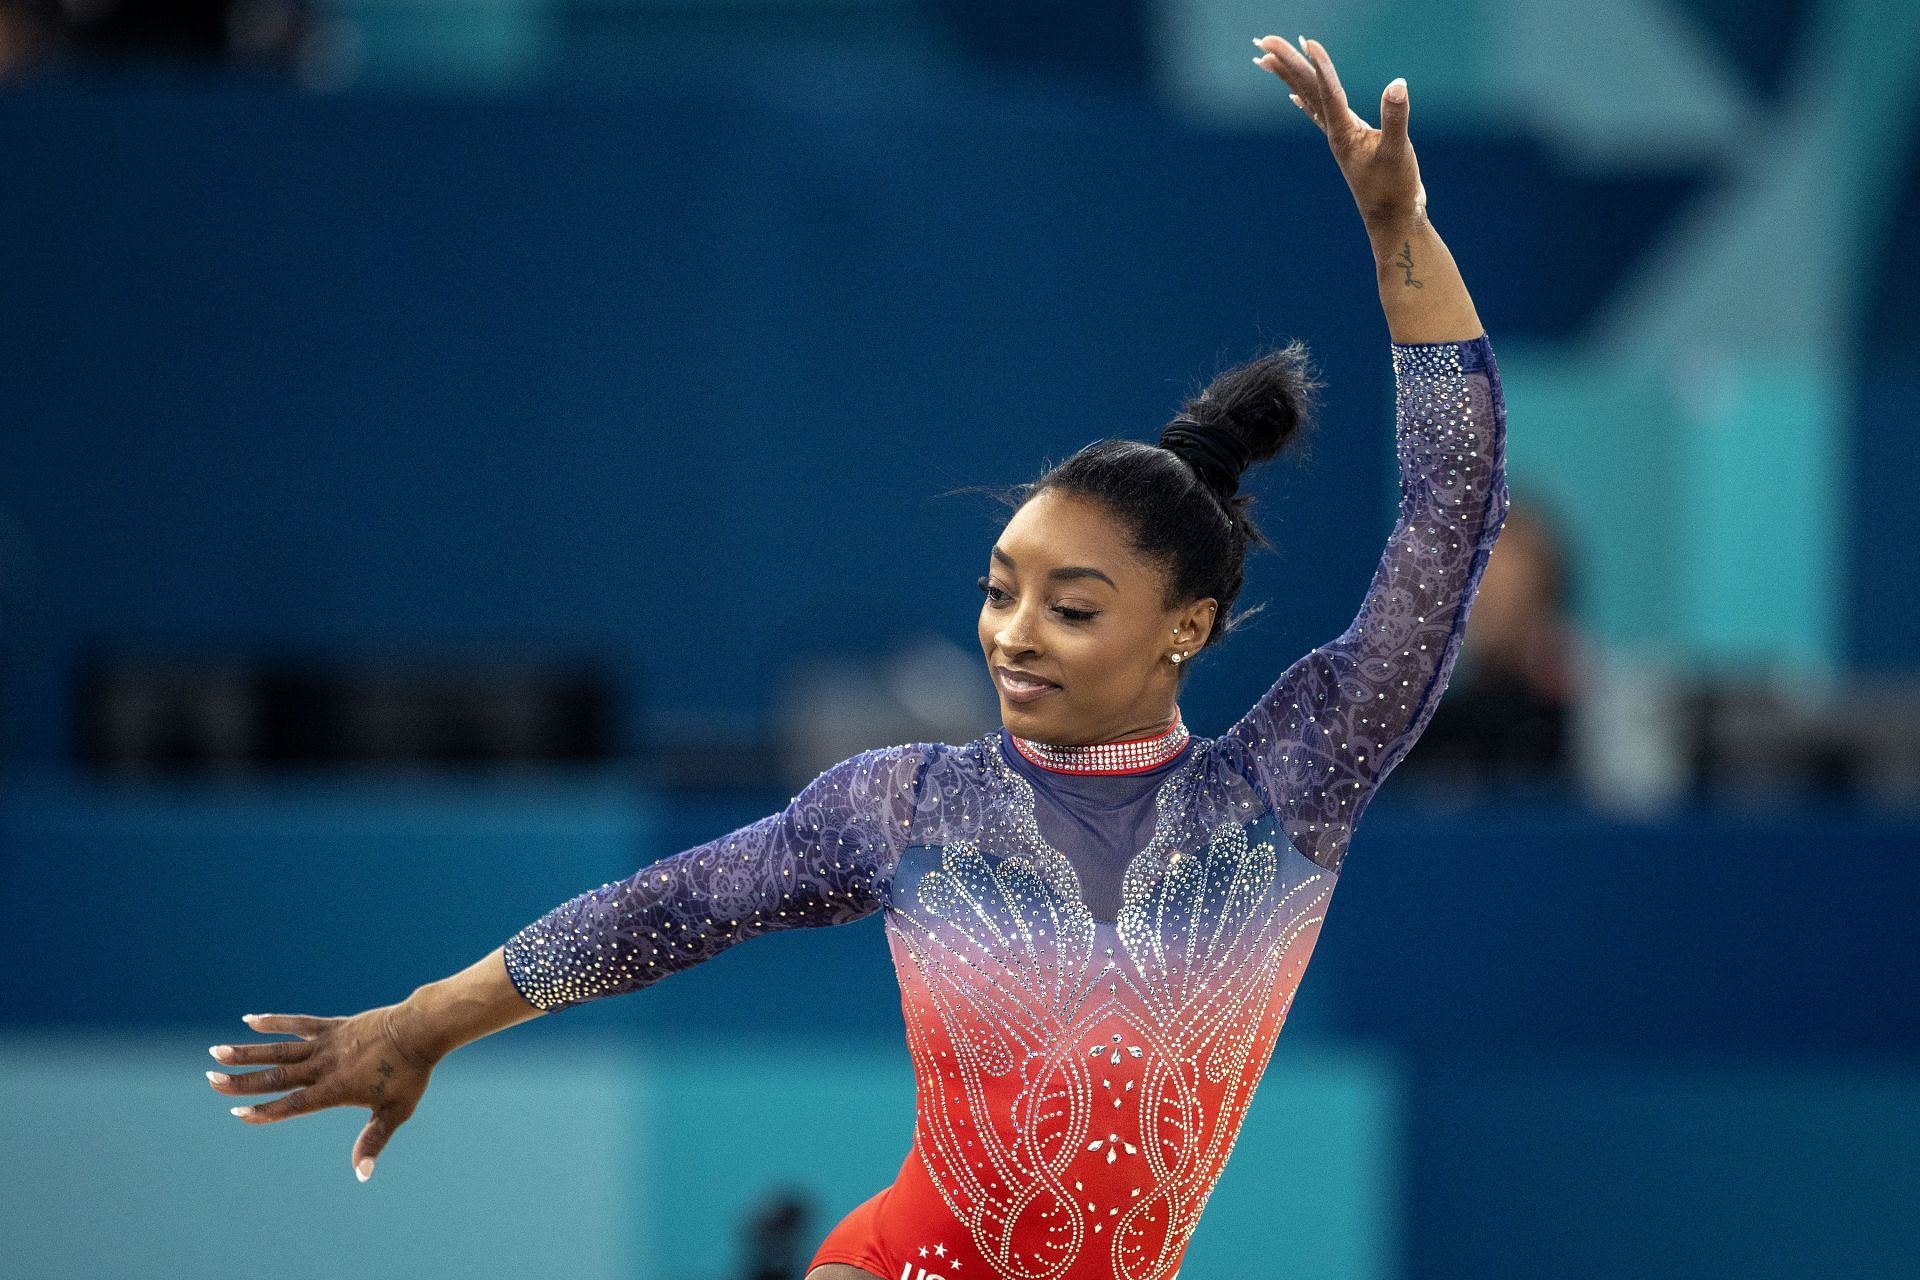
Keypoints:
pixel 447 1013
pixel 418 1026
pixel 1393 224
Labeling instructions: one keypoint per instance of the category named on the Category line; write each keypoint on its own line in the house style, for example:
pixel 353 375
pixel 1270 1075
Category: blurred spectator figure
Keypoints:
pixel 193 30
pixel 778 1238
pixel 1507 713
pixel 281 37
pixel 30 36
pixel 263 34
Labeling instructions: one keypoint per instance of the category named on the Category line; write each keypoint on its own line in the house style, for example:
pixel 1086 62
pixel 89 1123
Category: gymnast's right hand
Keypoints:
pixel 364 1060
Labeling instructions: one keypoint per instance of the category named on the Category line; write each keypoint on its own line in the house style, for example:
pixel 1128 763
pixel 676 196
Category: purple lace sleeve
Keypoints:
pixel 1317 744
pixel 825 859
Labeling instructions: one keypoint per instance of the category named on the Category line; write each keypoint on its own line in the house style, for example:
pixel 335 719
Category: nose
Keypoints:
pixel 1012 638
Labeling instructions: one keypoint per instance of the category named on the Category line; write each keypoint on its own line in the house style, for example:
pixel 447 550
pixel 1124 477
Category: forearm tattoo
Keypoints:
pixel 1405 263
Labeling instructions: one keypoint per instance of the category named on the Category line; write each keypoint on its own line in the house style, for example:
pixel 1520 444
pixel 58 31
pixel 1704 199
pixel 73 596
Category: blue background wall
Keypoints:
pixel 312 373
pixel 534 352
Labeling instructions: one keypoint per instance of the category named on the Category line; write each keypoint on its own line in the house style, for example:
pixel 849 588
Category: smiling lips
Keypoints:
pixel 1021 686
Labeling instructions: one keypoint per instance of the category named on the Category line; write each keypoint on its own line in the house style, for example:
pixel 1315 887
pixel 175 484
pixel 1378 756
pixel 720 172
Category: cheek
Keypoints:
pixel 1108 659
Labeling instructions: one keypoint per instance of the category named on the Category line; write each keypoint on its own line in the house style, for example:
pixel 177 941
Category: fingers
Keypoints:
pixel 1316 87
pixel 1284 61
pixel 290 1067
pixel 272 1080
pixel 293 1024
pixel 245 1055
pixel 1319 121
pixel 1330 91
pixel 372 1140
pixel 300 1103
pixel 1393 112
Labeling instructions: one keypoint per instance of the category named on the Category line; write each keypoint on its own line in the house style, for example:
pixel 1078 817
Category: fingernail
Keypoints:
pixel 241 1111
pixel 364 1169
pixel 220 1050
pixel 248 1017
pixel 1397 90
pixel 217 1077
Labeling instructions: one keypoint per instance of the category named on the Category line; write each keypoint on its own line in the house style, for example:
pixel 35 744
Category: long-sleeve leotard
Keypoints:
pixel 1081 1077
pixel 824 859
pixel 1320 741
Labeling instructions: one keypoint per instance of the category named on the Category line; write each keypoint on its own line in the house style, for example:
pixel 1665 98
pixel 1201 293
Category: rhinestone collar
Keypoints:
pixel 1132 755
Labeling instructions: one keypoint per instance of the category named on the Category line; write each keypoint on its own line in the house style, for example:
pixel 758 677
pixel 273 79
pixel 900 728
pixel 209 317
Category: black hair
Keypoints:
pixel 1179 499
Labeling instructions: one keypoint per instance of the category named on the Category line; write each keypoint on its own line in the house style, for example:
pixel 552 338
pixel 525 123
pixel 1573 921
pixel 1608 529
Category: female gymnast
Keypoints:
pixel 1098 920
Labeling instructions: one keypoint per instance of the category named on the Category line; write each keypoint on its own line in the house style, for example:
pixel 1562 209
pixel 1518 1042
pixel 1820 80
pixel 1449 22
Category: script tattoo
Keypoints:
pixel 1405 263
pixel 380 1086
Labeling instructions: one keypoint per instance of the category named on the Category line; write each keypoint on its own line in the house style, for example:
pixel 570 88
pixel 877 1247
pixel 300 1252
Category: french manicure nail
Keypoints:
pixel 241 1111
pixel 364 1170
pixel 217 1077
pixel 219 1050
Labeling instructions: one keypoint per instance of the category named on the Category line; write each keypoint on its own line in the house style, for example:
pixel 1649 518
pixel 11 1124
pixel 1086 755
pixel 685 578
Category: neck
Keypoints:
pixel 1123 755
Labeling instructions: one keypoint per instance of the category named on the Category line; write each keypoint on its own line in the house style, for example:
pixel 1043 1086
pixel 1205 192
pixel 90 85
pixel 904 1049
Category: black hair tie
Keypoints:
pixel 1216 456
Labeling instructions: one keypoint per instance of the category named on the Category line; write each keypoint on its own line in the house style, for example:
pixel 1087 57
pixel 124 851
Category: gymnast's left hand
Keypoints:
pixel 1378 164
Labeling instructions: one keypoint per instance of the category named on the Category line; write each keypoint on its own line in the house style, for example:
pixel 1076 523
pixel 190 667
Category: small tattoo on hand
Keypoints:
pixel 1405 263
pixel 385 1068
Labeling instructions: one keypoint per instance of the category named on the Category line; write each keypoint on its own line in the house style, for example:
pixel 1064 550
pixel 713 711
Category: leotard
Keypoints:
pixel 1096 945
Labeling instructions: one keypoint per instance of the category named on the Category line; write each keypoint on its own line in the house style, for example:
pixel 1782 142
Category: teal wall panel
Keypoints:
pixel 121 1160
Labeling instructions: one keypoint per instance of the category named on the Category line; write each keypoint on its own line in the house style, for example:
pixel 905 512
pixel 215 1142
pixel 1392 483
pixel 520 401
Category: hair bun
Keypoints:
pixel 1216 456
pixel 1246 415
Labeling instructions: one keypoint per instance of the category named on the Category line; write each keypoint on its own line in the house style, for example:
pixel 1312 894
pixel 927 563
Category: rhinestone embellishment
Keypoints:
pixel 1131 755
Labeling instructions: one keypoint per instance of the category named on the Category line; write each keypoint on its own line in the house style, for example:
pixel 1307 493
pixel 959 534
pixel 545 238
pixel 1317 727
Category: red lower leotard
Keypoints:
pixel 1096 945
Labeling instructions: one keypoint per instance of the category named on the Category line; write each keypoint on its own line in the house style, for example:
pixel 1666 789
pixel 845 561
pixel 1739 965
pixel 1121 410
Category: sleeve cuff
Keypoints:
pixel 1475 353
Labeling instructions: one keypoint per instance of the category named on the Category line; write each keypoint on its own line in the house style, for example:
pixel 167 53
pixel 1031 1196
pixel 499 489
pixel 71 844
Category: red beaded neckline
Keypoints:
pixel 1131 755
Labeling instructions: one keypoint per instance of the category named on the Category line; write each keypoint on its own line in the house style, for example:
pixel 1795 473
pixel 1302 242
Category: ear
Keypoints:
pixel 1195 623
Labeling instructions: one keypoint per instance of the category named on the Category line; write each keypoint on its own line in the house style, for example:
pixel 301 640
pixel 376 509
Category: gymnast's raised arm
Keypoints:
pixel 1319 742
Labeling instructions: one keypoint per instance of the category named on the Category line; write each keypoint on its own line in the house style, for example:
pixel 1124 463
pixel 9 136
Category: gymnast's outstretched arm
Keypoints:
pixel 823 859
pixel 1318 743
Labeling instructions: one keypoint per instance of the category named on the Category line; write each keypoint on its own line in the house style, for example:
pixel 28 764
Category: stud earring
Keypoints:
pixel 1176 657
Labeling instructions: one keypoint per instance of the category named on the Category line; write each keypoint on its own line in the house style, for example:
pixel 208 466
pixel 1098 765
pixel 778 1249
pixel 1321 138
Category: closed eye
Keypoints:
pixel 995 596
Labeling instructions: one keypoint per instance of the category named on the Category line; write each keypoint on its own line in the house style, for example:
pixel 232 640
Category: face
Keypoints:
pixel 1067 601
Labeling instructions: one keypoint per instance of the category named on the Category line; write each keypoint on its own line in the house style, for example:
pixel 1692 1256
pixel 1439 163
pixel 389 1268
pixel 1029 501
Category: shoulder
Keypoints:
pixel 907 777
pixel 1228 778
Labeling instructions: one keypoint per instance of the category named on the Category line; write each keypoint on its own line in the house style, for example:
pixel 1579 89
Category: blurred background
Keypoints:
pixel 454 452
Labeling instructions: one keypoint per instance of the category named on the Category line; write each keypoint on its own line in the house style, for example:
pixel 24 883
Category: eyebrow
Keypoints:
pixel 1077 571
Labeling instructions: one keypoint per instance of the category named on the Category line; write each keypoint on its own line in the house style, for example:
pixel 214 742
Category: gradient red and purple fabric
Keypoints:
pixel 1093 967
